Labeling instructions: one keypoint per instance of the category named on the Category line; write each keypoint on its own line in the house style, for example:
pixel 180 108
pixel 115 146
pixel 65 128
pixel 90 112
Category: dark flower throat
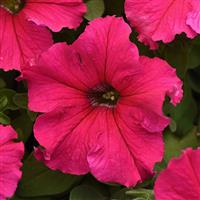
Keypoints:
pixel 103 95
pixel 13 6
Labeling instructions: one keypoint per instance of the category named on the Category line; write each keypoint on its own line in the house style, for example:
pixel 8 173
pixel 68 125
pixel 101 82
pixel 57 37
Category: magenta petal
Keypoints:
pixel 111 159
pixel 105 49
pixel 159 20
pixel 10 155
pixel 193 18
pixel 66 151
pixel 150 87
pixel 53 82
pixel 144 141
pixel 66 13
pixel 180 181
pixel 20 41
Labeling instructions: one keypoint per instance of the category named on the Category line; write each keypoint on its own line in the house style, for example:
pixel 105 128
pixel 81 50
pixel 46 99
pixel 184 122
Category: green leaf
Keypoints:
pixel 141 194
pixel 174 145
pixel 2 83
pixel 184 114
pixel 193 57
pixel 9 94
pixel 176 54
pixel 196 40
pixel 121 195
pixel 21 100
pixel 114 7
pixel 36 198
pixel 194 79
pixel 38 180
pixel 32 115
pixel 4 119
pixel 85 192
pixel 172 126
pixel 95 8
pixel 160 166
pixel 3 102
pixel 23 125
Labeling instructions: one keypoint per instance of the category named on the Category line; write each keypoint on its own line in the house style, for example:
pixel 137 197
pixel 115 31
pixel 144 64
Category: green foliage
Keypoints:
pixel 21 100
pixel 174 145
pixel 133 194
pixel 4 119
pixel 39 180
pixel 95 8
pixel 194 79
pixel 85 192
pixel 9 94
pixel 184 114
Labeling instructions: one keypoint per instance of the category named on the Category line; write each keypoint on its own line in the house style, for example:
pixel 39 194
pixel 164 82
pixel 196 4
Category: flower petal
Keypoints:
pixel 10 155
pixel 54 81
pixel 145 144
pixel 105 48
pixel 159 20
pixel 66 13
pixel 66 150
pixel 181 179
pixel 193 18
pixel 111 159
pixel 150 87
pixel 20 41
pixel 81 130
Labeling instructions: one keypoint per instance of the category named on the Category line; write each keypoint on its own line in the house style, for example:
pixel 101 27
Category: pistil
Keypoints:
pixel 103 95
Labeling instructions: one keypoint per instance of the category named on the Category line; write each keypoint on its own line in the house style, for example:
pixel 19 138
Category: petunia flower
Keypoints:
pixel 180 181
pixel 102 105
pixel 159 20
pixel 193 18
pixel 11 153
pixel 23 35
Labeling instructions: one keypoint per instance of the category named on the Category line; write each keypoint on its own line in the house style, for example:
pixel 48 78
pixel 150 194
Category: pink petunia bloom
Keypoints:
pixel 11 153
pixel 159 20
pixel 102 105
pixel 193 18
pixel 181 179
pixel 23 35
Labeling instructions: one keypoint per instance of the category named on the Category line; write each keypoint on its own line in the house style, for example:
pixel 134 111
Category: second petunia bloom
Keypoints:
pixel 181 179
pixel 11 153
pixel 23 35
pixel 102 105
pixel 158 20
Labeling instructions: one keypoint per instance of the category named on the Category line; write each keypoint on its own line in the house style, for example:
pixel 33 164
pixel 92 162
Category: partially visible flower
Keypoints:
pixel 11 153
pixel 21 37
pixel 193 18
pixel 102 105
pixel 159 20
pixel 181 179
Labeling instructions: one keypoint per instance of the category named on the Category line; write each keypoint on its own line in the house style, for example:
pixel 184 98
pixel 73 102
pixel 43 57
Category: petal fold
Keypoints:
pixel 55 14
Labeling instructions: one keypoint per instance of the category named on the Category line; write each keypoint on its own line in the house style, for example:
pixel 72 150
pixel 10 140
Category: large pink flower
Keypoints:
pixel 181 179
pixel 11 153
pixel 21 37
pixel 102 105
pixel 157 20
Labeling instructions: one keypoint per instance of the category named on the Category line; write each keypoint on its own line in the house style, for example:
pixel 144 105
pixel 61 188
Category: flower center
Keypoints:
pixel 13 6
pixel 103 95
